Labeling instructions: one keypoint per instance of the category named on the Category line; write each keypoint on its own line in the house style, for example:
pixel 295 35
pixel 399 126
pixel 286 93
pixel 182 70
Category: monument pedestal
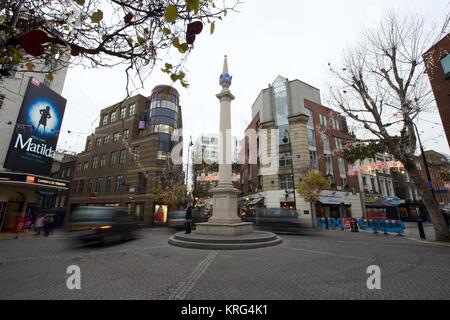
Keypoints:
pixel 225 220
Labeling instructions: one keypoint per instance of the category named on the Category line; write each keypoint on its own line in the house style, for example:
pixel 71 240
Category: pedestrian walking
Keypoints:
pixel 47 225
pixel 39 224
pixel 188 219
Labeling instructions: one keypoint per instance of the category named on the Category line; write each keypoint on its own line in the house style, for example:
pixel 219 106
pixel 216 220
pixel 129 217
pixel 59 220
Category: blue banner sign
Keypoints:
pixel 376 225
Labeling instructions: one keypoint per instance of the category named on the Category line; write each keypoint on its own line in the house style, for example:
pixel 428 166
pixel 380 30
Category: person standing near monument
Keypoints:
pixel 188 219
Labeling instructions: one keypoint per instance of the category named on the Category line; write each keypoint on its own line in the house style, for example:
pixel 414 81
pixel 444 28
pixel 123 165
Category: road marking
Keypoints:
pixel 185 287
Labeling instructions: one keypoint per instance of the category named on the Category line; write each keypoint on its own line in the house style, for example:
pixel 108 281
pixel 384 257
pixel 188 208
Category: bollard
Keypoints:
pixel 354 225
pixel 421 230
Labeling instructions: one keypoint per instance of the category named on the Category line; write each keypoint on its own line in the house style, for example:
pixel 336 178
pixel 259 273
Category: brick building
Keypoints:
pixel 437 61
pixel 127 152
pixel 290 133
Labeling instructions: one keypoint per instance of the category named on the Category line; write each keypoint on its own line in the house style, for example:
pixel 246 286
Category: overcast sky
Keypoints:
pixel 292 38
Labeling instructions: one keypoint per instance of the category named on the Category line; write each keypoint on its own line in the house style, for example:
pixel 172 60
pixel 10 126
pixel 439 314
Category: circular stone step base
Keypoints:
pixel 253 240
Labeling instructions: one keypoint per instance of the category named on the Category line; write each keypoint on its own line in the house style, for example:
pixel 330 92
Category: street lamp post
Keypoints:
pixel 430 184
pixel 285 140
pixel 425 162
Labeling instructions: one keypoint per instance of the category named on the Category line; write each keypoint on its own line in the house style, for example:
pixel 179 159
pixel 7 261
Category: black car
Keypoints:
pixel 101 224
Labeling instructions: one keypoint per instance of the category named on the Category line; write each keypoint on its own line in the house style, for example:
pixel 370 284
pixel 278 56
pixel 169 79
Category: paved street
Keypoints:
pixel 313 265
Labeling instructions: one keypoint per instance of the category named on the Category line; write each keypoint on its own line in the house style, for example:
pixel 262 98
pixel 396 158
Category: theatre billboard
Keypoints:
pixel 33 143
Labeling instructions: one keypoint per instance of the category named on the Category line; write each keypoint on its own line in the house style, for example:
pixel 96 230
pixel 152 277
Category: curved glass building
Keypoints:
pixel 165 117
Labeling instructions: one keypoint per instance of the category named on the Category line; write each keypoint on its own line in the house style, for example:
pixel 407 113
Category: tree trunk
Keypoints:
pixel 440 227
pixel 313 214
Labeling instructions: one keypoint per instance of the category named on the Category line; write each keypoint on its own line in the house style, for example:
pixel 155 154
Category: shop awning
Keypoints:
pixel 333 200
pixel 381 204
pixel 254 202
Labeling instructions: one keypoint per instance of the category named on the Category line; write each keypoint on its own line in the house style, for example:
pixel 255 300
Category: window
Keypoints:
pixel 123 112
pixel 106 139
pixel 116 136
pixel 374 187
pixel 310 120
pixel 135 156
pixel 162 128
pixel 286 182
pixel 81 186
pixel 74 186
pixel 163 156
pixel 103 160
pixel 326 143
pixel 143 176
pixel 311 137
pixel 323 120
pixel 104 119
pixel 284 134
pixel 338 144
pixel 126 133
pixel 79 167
pixel 313 160
pixel 119 183
pixel 108 183
pixel 335 124
pixel 328 164
pixel 341 163
pixel 89 188
pixel 388 187
pixel 85 166
pixel 131 109
pixel 165 142
pixel 95 162
pixel 122 156
pixel 285 159
pixel 98 184
pixel 98 142
pixel 445 64
pixel 89 145
pixel 69 171
pixel 112 159
pixel 112 116
pixel 281 103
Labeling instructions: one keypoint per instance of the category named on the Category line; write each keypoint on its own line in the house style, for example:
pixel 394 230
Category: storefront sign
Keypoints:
pixel 33 144
pixel 38 181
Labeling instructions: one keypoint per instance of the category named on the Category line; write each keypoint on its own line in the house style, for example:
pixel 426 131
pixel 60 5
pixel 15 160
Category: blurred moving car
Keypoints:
pixel 274 219
pixel 101 224
pixel 176 219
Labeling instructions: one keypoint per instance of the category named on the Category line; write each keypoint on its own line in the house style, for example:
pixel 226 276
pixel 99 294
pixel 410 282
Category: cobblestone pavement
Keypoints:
pixel 310 265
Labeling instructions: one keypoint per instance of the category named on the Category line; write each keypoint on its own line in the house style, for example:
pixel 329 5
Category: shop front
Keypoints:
pixel 383 209
pixel 23 197
pixel 333 207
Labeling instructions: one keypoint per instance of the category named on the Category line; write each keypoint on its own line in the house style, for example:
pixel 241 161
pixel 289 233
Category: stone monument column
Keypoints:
pixel 225 220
